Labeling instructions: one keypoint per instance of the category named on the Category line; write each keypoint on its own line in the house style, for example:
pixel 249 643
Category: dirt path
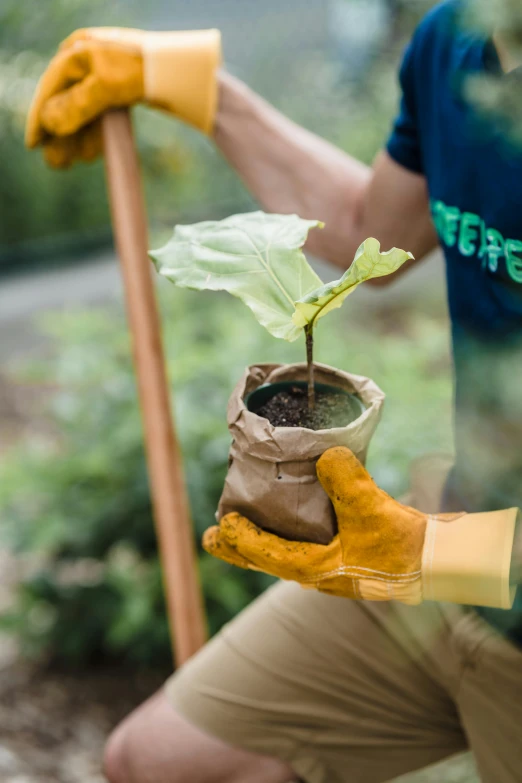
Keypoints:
pixel 53 725
pixel 24 297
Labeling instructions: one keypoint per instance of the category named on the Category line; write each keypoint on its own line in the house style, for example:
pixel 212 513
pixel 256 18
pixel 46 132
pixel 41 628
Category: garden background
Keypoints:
pixel 83 633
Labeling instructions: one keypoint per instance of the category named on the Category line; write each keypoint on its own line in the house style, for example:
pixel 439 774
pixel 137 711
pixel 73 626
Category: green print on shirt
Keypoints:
pixel 473 238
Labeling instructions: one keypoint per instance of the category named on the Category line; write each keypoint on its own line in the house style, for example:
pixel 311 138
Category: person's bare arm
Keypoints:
pixel 288 169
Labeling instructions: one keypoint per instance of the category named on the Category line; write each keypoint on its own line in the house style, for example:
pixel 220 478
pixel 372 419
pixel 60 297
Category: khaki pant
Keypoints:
pixel 357 692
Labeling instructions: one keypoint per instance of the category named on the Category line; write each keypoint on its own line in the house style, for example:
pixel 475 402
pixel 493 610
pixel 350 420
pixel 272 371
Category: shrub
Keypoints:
pixel 81 500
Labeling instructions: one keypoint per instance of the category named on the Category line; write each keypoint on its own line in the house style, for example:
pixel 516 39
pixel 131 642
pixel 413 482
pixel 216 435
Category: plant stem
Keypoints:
pixel 309 334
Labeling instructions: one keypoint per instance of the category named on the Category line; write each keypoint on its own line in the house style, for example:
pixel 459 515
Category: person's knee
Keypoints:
pixel 156 744
pixel 114 762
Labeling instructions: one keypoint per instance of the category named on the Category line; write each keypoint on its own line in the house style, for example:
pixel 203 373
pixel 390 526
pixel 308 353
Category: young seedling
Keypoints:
pixel 258 258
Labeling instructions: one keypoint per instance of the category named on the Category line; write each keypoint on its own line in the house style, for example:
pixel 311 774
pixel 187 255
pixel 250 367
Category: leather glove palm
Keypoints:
pixel 383 550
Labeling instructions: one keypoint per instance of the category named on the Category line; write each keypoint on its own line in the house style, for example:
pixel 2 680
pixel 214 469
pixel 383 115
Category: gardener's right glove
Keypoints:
pixel 383 550
pixel 100 68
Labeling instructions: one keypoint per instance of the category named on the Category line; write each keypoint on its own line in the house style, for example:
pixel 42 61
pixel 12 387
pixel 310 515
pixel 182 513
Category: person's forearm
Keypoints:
pixel 289 169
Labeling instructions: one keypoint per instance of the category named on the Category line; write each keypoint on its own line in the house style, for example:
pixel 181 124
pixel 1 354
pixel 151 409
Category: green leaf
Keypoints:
pixel 369 262
pixel 255 256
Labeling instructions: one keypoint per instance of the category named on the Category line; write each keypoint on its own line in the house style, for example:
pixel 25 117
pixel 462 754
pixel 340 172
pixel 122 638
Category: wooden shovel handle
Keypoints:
pixel 171 510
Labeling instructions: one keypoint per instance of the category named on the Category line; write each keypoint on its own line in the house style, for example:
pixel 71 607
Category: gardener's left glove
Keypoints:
pixel 383 550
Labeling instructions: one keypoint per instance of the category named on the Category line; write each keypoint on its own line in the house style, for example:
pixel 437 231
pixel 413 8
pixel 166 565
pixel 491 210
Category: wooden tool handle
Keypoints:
pixel 171 511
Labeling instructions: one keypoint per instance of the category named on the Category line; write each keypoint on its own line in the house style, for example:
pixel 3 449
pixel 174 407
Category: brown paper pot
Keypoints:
pixel 271 477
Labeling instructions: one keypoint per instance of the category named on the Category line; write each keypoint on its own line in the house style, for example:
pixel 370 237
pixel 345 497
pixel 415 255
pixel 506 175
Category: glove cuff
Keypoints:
pixel 468 560
pixel 179 72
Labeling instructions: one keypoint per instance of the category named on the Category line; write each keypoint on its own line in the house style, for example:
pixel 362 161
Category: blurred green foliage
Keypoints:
pixel 34 203
pixel 76 507
pixel 24 28
pixel 87 500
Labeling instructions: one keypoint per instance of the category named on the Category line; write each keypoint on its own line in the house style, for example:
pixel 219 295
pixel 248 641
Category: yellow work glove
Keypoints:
pixel 383 550
pixel 101 68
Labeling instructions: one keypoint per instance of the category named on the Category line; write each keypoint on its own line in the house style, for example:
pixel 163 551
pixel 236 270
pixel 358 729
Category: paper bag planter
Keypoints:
pixel 258 258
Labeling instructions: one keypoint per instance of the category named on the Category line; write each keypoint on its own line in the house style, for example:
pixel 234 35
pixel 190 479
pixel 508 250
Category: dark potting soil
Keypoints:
pixel 290 409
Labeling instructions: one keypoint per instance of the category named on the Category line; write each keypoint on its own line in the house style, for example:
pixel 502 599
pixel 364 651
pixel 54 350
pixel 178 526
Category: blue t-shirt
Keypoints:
pixel 474 178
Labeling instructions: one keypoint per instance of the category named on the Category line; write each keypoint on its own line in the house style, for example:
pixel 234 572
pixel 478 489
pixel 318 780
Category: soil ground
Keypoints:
pixel 53 725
